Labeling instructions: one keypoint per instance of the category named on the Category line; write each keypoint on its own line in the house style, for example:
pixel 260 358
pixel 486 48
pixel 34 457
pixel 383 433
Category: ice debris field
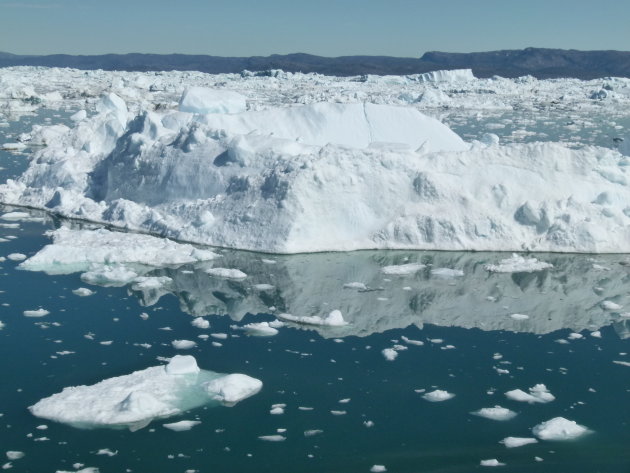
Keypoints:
pixel 348 361
pixel 301 163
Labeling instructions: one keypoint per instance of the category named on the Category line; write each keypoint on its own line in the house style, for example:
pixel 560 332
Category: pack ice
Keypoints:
pixel 134 400
pixel 324 176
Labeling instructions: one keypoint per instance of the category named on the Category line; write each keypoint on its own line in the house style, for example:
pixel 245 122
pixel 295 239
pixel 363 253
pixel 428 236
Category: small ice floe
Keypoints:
pixel 622 363
pixel 355 285
pixel 219 336
pixel 447 273
pixel 83 292
pixel 610 305
pixel 333 319
pixel 338 413
pixel 313 432
pixel 134 400
pixel 1 325
pixel 264 287
pixel 438 396
pixel 514 442
pixel 596 334
pixel 575 336
pixel 402 269
pixel 200 322
pixel 491 462
pixel 259 329
pixel 277 409
pixel 182 425
pixel 378 469
pixel 519 316
pixel 36 313
pixel 14 216
pixel 183 344
pixel 272 438
pixel 518 264
pixel 226 273
pixel 14 455
pixel 233 388
pixel 390 354
pixel 106 451
pixel 409 341
pixel 559 428
pixel 13 146
pixel 495 413
pixel 16 257
pixel 537 394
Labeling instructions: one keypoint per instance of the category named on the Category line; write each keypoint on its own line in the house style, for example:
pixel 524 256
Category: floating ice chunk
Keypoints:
pixel 1 325
pixel 537 394
pixel 14 455
pixel 200 322
pixel 333 319
pixel 622 363
pixel 147 283
pixel 78 116
pixel 491 462
pixel 519 316
pixel 495 413
pixel 409 341
pixel 513 442
pixel 79 250
pixel 264 287
pixel 182 364
pixel 610 305
pixel 107 451
pixel 518 264
pixel 36 313
pixel 118 275
pixel 312 432
pixel 132 400
pixel 82 292
pixel 259 329
pixel 596 334
pixel 233 388
pixel 89 469
pixel 16 257
pixel 183 344
pixel 438 396
pixel 272 438
pixel 13 146
pixel 203 100
pixel 278 410
pixel 378 468
pixel 226 273
pixel 559 428
pixel 182 425
pixel 402 269
pixel 355 285
pixel 390 354
pixel 15 216
pixel 447 273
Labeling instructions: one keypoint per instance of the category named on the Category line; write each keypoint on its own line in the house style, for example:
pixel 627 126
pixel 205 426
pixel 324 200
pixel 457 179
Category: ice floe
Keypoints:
pixel 559 428
pixel 514 442
pixel 537 394
pixel 518 264
pixel 134 400
pixel 495 413
pixel 333 319
pixel 438 395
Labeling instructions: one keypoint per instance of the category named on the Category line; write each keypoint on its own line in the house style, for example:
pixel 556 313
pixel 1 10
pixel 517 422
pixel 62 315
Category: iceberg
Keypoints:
pixel 134 400
pixel 559 428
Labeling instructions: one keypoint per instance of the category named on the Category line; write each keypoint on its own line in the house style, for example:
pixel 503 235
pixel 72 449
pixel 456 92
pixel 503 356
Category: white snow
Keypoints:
pixel 135 399
pixel 514 442
pixel 559 428
pixel 333 319
pixel 438 396
pixel 537 394
pixel 233 388
pixel 402 269
pixel 182 425
pixel 226 273
pixel 518 264
pixel 79 250
pixel 495 413
pixel 203 100
pixel 36 313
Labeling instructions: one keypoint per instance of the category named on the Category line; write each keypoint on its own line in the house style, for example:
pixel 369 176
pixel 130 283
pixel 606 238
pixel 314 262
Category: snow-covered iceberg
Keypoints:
pixel 134 400
pixel 327 176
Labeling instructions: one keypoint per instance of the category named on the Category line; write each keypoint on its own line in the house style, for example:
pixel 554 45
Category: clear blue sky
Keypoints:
pixel 324 27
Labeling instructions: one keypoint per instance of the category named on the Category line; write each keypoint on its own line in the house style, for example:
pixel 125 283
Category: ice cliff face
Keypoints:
pixel 325 177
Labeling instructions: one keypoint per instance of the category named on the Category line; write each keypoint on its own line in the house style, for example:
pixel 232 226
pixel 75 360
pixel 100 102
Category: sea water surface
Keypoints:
pixel 347 407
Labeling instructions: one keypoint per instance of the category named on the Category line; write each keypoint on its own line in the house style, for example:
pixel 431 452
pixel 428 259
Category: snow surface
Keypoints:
pixel 355 170
pixel 559 428
pixel 233 388
pixel 134 400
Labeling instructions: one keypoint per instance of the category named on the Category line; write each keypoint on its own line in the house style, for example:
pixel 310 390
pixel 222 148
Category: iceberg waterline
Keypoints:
pixel 326 177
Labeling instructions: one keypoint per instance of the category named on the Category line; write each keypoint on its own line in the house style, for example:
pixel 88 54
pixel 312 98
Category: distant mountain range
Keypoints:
pixel 540 63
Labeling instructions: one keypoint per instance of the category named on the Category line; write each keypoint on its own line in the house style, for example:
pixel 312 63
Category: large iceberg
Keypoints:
pixel 327 176
pixel 134 400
